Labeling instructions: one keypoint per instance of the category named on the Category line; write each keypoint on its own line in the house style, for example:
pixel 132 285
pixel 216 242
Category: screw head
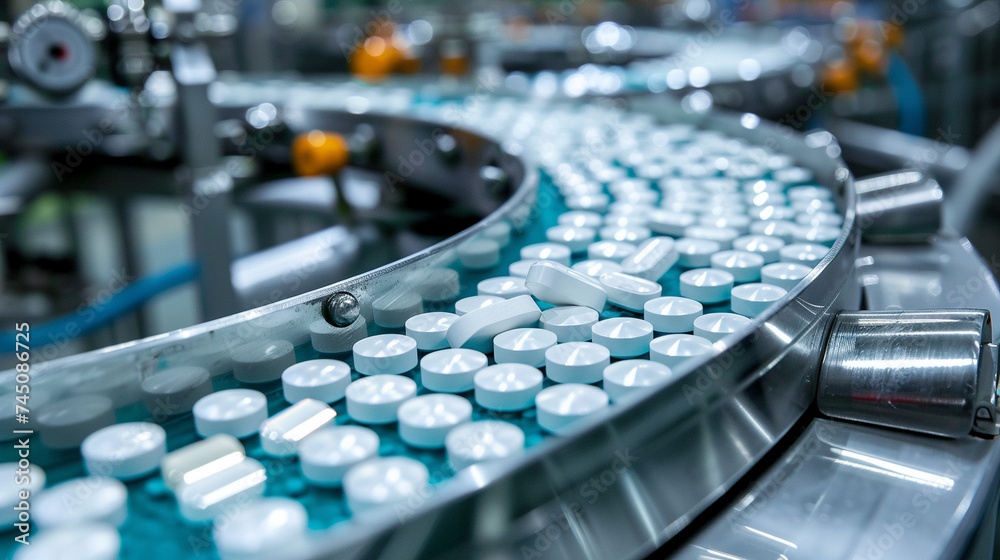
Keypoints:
pixel 341 309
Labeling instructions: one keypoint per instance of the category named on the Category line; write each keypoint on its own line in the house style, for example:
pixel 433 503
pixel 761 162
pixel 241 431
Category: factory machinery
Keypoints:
pixel 533 314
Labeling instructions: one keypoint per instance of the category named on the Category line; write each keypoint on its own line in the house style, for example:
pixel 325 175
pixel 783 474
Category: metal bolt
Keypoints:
pixel 341 309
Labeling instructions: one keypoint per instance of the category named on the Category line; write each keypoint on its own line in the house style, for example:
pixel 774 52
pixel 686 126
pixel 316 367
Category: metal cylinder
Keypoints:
pixel 927 371
pixel 899 207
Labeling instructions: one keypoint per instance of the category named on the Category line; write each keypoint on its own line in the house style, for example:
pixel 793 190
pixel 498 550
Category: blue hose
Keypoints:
pixel 909 98
pixel 88 319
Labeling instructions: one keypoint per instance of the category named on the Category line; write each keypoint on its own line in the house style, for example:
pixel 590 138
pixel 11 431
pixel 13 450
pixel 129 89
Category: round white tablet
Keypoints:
pixel 430 330
pixel 592 202
pixel 716 326
pixel 670 223
pixel 784 275
pixel 695 253
pixel 547 252
pixel 64 424
pixel 436 284
pixel 425 421
pixel 12 483
pixel 451 370
pixel 325 455
pixel 507 387
pixel 576 362
pixel 124 451
pixel 576 238
pixel 385 354
pixel 237 412
pixel 323 380
pixel 472 303
pixel 707 285
pixel 329 339
pixel 594 268
pixel 174 391
pixel 384 481
pixel 753 299
pixel 744 266
pixel 375 399
pixel 86 541
pixel 561 405
pixel 633 376
pixel 499 232
pixel 628 234
pixel 479 253
pixel 262 361
pixel 673 350
pixel 766 246
pixel 264 528
pixel 809 254
pixel 92 499
pixel 580 218
pixel 624 337
pixel 827 219
pixel 485 440
pixel 393 309
pixel 672 314
pixel 782 229
pixel 502 286
pixel 569 323
pixel 821 235
pixel 523 346
pixel 610 250
pixel 723 236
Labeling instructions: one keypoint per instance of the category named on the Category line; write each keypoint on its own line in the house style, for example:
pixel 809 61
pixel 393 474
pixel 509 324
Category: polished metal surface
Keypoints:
pixel 899 207
pixel 851 491
pixel 928 371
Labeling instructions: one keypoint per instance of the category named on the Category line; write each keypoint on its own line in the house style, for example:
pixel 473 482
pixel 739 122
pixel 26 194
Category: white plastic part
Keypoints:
pixel 375 399
pixel 327 454
pixel 629 377
pixel 323 380
pixel 424 421
pixel 706 285
pixel 385 354
pixel 672 350
pixel 507 387
pixel 451 370
pixel 629 292
pixel 383 482
pixel 484 440
pixel 124 451
pixel 561 405
pixel 576 362
pixel 716 326
pixel 476 329
pixel 624 337
pixel 569 323
pixel 559 285
pixel 237 412
pixel 672 314
pixel 430 330
pixel 280 434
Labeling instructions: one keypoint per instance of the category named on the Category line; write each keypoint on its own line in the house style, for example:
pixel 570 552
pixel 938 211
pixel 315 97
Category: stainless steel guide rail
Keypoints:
pixel 671 454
